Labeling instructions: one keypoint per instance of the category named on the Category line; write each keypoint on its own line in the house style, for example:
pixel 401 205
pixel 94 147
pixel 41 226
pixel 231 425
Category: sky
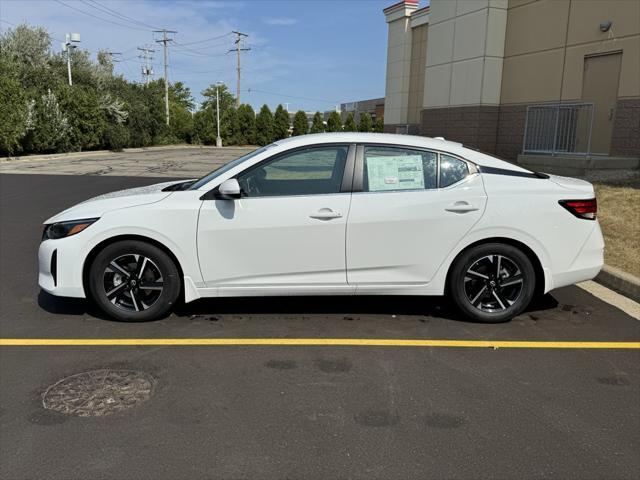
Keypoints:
pixel 313 54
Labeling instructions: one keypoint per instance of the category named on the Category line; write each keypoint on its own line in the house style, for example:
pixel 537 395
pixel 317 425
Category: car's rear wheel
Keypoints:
pixel 492 283
pixel 134 281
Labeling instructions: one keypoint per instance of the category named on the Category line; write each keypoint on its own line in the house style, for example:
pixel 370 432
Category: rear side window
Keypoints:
pixel 452 170
pixel 393 169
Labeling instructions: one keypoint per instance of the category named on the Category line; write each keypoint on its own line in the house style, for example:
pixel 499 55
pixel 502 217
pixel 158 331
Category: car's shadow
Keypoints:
pixel 319 305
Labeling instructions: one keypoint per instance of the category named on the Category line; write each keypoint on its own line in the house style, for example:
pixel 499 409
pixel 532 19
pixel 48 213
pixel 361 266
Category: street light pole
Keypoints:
pixel 67 46
pixel 69 63
pixel 218 139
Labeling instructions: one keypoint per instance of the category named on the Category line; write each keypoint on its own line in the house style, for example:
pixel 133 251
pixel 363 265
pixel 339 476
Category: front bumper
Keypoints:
pixel 58 272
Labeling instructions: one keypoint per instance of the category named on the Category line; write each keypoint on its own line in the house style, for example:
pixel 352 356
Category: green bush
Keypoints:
pixel 317 125
pixel 300 123
pixel 350 124
pixel 264 126
pixel 334 123
pixel 366 124
pixel 116 137
pixel 280 123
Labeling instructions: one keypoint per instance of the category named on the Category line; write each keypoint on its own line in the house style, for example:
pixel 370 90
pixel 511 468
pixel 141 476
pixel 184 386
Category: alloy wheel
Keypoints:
pixel 133 282
pixel 493 283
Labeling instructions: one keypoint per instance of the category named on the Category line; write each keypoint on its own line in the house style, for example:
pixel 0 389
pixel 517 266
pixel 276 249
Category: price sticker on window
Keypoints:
pixel 403 172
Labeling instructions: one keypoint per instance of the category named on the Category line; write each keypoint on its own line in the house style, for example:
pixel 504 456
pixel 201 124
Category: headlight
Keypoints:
pixel 65 229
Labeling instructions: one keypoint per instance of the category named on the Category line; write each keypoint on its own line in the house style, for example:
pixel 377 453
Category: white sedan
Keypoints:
pixel 331 214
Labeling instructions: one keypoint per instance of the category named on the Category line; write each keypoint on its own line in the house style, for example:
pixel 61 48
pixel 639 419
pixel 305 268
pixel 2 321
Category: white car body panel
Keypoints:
pixel 293 249
pixel 271 246
pixel 402 237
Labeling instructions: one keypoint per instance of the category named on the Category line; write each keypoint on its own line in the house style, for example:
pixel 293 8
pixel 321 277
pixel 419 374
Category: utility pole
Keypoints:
pixel 67 46
pixel 112 56
pixel 165 40
pixel 238 49
pixel 147 57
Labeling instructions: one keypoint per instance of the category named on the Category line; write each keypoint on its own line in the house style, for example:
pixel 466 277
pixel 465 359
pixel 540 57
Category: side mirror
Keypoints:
pixel 229 189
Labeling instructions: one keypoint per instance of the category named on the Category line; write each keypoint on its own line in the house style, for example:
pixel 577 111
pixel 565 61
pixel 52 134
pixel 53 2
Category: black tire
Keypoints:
pixel 125 293
pixel 497 297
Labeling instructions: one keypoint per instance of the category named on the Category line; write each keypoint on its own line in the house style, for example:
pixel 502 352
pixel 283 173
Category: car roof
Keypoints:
pixel 358 137
pixel 437 143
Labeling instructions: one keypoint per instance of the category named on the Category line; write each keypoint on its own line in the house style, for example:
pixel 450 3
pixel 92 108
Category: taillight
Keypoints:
pixel 586 209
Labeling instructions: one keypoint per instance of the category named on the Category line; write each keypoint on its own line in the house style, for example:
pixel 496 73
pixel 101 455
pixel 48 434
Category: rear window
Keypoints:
pixel 452 170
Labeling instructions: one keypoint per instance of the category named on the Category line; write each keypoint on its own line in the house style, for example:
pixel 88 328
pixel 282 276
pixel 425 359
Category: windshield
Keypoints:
pixel 226 167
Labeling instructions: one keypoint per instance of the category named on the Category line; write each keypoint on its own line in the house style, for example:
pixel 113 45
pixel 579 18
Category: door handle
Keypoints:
pixel 325 214
pixel 461 207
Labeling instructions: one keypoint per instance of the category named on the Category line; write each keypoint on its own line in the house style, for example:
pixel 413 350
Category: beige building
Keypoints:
pixel 557 77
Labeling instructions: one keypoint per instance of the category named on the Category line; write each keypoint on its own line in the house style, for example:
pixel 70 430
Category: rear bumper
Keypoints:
pixel 586 264
pixel 59 277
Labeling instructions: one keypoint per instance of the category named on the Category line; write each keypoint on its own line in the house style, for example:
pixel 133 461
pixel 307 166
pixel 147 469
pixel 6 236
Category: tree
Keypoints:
pixel 366 124
pixel 246 125
pixel 317 126
pixel 230 127
pixel 264 126
pixel 180 106
pixel 281 123
pixel 86 119
pixel 105 65
pixel 13 115
pixel 204 129
pixel 29 47
pixel 300 123
pixel 350 124
pixel 227 100
pixel 181 95
pixel 334 123
pixel 47 125
pixel 378 127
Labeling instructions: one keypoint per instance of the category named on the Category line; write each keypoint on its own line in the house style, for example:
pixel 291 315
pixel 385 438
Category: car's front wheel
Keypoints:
pixel 492 283
pixel 134 281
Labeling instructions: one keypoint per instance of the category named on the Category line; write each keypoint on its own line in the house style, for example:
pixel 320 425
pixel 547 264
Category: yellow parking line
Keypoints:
pixel 351 342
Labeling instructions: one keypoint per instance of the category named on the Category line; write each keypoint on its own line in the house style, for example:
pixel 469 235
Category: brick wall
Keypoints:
pixel 510 131
pixel 500 130
pixel 475 126
pixel 625 140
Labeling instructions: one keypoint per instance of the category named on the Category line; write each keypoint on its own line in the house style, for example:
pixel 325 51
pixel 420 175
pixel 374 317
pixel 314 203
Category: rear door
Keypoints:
pixel 413 207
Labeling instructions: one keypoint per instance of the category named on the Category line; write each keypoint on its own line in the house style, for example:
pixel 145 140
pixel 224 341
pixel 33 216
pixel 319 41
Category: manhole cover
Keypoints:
pixel 98 393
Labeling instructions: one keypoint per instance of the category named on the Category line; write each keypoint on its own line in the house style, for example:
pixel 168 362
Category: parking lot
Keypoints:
pixel 318 394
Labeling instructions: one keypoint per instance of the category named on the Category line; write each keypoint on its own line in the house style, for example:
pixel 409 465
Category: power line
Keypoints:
pixel 114 13
pixel 249 90
pixel 207 47
pixel 100 18
pixel 209 39
pixel 187 54
pixel 16 25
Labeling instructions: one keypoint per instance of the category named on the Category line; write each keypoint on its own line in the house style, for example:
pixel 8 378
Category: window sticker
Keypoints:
pixel 403 172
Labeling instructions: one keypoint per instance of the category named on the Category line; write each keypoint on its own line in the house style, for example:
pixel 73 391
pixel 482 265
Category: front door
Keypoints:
pixel 407 220
pixel 286 233
pixel 600 86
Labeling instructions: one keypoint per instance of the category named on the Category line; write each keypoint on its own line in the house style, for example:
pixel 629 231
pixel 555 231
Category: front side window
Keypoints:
pixel 393 169
pixel 315 170
pixel 452 170
pixel 226 167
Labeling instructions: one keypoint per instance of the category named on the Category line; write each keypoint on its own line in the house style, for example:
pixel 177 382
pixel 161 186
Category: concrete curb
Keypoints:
pixel 622 282
pixel 95 153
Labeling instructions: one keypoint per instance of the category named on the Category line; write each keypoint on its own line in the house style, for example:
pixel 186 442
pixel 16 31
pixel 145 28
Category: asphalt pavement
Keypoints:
pixel 307 412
